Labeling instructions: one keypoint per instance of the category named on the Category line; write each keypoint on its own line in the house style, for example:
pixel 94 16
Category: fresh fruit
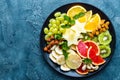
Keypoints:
pixel 75 10
pixel 105 38
pixel 96 59
pixel 64 67
pixel 80 71
pixel 73 61
pixel 93 45
pixel 55 55
pixel 60 60
pixel 52 58
pixel 71 36
pixel 86 17
pixel 58 50
pixel 82 49
pixel 105 51
pixel 93 23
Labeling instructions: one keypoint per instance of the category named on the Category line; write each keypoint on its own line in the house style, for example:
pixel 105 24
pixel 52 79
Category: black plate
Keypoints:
pixel 64 8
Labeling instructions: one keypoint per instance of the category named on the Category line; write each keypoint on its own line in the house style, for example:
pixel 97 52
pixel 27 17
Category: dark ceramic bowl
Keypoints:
pixel 64 9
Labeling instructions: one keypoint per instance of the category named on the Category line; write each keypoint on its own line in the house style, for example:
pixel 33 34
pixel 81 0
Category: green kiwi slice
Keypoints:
pixel 105 38
pixel 105 51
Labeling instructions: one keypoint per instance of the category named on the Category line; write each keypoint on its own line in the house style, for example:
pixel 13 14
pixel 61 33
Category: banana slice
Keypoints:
pixel 55 54
pixel 52 58
pixel 58 50
pixel 64 67
pixel 61 60
pixel 73 61
pixel 53 47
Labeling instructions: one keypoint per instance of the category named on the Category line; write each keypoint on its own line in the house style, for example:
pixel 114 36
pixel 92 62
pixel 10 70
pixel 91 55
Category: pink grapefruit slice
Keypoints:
pixel 96 59
pixel 93 45
pixel 82 49
pixel 80 71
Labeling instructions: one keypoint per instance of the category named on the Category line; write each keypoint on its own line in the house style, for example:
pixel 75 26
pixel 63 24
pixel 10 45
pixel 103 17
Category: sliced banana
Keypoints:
pixel 58 50
pixel 52 58
pixel 61 60
pixel 53 47
pixel 64 67
pixel 55 54
pixel 73 61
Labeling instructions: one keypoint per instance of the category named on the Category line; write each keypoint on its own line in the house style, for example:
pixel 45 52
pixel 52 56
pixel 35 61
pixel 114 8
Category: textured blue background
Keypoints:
pixel 20 25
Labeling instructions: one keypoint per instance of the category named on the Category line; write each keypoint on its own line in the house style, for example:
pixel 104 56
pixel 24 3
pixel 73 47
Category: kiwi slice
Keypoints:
pixel 105 51
pixel 105 38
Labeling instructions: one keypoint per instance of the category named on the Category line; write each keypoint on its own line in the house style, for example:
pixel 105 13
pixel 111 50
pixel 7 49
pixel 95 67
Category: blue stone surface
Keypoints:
pixel 20 25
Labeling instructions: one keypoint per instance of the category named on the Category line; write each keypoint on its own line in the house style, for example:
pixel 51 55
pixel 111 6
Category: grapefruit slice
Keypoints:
pixel 80 71
pixel 93 45
pixel 96 59
pixel 82 49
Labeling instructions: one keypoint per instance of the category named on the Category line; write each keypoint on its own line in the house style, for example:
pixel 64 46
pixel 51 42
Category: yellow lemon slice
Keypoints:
pixel 75 10
pixel 73 61
pixel 93 23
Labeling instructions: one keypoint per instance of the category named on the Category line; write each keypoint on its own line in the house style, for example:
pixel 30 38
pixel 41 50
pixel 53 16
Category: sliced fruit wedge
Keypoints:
pixel 86 17
pixel 75 10
pixel 96 59
pixel 82 72
pixel 93 23
pixel 93 45
pixel 82 49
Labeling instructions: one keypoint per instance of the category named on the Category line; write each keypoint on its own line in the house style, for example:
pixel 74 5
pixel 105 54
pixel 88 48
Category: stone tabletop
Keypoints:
pixel 20 25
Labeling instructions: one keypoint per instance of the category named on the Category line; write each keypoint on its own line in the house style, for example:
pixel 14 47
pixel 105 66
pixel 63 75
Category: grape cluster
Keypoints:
pixel 54 26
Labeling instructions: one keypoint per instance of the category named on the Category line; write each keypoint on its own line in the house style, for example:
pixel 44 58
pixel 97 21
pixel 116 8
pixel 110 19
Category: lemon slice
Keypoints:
pixel 86 17
pixel 73 61
pixel 75 10
pixel 93 23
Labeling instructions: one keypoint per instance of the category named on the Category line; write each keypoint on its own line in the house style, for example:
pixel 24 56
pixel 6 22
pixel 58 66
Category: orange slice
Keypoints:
pixel 86 17
pixel 75 10
pixel 93 23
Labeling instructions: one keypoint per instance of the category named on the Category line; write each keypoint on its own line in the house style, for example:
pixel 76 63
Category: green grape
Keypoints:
pixel 63 14
pixel 50 33
pixel 46 30
pixel 58 32
pixel 62 30
pixel 61 18
pixel 46 37
pixel 54 25
pixel 65 22
pixel 55 30
pixel 51 29
pixel 51 20
pixel 57 14
pixel 57 22
pixel 49 25
pixel 62 24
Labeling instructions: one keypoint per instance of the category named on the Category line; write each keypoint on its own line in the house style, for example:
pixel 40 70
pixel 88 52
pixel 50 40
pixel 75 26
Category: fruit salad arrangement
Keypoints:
pixel 78 40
